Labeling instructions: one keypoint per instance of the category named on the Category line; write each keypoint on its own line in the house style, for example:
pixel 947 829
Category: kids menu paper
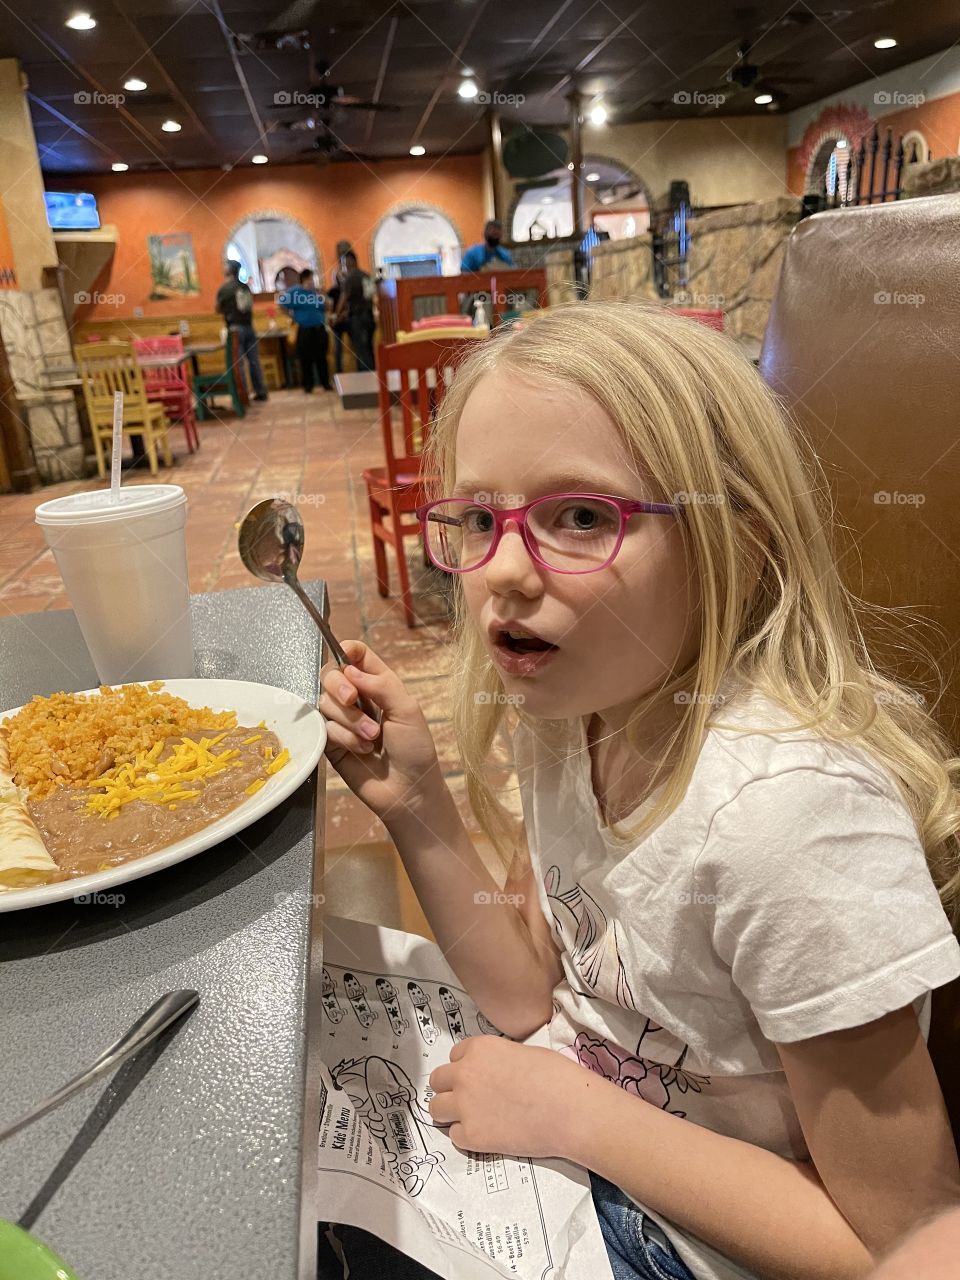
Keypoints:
pixel 392 1011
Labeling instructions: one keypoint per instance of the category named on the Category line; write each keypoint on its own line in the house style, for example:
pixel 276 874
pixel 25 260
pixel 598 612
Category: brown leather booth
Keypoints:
pixel 863 345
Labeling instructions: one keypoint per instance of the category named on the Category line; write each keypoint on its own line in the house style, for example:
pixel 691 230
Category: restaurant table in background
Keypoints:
pixel 276 338
pixel 162 362
pixel 196 349
pixel 194 1159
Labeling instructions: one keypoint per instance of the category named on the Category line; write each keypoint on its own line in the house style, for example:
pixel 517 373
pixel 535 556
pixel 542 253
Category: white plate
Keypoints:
pixel 299 726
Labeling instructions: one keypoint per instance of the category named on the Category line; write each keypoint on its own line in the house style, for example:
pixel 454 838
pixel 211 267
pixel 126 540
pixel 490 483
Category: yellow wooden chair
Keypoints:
pixel 108 367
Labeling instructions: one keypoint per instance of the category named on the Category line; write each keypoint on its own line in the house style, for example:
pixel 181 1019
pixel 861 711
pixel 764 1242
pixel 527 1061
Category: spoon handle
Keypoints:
pixel 158 1017
pixel 366 706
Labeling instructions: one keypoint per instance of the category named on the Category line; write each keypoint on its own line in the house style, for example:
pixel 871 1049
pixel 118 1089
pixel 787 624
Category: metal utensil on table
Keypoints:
pixel 164 1013
pixel 271 547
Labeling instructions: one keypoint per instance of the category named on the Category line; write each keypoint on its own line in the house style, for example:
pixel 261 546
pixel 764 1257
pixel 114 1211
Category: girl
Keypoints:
pixel 722 908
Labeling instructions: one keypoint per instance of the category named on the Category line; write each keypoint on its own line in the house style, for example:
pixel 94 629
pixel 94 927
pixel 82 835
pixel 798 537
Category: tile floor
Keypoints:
pixel 315 450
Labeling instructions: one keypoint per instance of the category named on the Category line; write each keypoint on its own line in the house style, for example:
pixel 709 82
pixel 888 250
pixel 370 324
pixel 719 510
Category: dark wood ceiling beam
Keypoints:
pixel 70 124
pixel 147 52
pixel 456 59
pixel 570 77
pixel 239 71
pixel 546 29
pixel 81 72
pixel 381 73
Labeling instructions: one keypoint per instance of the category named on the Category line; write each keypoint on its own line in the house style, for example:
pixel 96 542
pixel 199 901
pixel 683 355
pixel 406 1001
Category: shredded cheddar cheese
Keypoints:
pixel 159 782
pixel 276 765
pixel 255 786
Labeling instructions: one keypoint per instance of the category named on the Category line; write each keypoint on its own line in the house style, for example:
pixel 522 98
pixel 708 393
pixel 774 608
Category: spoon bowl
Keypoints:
pixel 271 546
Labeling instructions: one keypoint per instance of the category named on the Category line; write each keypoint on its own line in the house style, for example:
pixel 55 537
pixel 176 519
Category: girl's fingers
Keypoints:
pixel 352 727
pixel 337 687
pixel 383 687
pixel 342 742
pixel 441 1078
pixel 444 1109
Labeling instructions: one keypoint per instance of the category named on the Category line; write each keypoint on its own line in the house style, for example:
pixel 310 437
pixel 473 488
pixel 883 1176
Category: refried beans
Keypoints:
pixel 81 842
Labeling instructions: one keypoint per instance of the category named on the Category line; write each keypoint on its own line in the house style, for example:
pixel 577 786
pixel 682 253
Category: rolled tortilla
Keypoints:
pixel 24 859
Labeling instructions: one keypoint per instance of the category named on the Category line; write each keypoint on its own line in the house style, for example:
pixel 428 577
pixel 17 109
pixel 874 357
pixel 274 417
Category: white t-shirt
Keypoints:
pixel 786 896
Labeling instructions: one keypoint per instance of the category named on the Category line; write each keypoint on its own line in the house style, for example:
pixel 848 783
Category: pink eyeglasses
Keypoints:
pixel 563 532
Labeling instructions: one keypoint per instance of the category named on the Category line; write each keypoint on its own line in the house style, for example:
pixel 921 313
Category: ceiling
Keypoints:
pixel 236 97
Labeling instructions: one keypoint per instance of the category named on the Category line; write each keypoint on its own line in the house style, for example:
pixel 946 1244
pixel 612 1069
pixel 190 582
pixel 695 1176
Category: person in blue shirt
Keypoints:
pixel 484 257
pixel 307 307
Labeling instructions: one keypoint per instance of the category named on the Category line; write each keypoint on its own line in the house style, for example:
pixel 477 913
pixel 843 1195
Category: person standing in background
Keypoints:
pixel 356 305
pixel 338 326
pixel 485 256
pixel 235 303
pixel 307 307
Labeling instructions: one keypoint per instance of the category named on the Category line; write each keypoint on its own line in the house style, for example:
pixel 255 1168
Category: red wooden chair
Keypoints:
pixel 170 387
pixel 412 377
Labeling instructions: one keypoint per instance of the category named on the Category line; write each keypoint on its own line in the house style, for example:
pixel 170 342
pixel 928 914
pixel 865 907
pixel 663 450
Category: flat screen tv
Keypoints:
pixel 71 211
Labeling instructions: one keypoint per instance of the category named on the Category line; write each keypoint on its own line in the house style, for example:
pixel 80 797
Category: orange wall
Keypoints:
pixel 938 120
pixel 335 202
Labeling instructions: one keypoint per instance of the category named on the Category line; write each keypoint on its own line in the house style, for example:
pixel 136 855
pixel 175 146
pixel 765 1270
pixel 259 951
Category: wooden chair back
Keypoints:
pixel 412 378
pixel 106 368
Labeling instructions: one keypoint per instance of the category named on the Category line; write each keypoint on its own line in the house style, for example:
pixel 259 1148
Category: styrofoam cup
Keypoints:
pixel 124 566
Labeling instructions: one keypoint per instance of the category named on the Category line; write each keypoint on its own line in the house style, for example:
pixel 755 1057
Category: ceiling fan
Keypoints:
pixel 326 147
pixel 322 95
pixel 749 79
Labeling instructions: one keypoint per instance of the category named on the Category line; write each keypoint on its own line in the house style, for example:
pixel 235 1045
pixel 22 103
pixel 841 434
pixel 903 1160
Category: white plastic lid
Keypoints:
pixel 96 507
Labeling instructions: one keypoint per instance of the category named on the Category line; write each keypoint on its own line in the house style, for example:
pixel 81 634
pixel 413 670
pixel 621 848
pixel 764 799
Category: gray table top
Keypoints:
pixel 192 1161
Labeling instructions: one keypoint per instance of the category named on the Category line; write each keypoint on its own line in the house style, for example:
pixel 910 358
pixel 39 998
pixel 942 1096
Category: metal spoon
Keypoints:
pixel 271 546
pixel 158 1017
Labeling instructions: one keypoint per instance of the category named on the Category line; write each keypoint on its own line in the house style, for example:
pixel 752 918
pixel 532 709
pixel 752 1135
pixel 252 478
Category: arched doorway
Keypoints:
pixel 272 248
pixel 831 168
pixel 614 200
pixel 915 149
pixel 416 240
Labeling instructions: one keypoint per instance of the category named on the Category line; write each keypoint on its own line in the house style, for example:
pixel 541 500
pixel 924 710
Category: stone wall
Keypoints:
pixel 36 339
pixel 733 265
pixel 623 269
pixel 734 261
pixel 932 177
pixel 561 277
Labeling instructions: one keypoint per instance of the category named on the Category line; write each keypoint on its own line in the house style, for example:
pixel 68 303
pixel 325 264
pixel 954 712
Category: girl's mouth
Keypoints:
pixel 519 652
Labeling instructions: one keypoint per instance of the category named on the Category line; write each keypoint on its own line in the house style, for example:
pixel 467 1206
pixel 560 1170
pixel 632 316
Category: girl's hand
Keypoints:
pixel 513 1099
pixel 406 772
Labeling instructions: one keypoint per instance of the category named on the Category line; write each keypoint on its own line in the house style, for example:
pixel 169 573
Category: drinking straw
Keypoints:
pixel 115 452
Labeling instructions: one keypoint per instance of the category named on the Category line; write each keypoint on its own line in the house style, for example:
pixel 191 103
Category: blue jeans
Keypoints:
pixel 247 345
pixel 636 1247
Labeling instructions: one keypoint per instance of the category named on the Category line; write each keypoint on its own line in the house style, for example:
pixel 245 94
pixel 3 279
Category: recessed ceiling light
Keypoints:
pixel 467 71
pixel 259 159
pixel 548 199
pixel 119 167
pixel 171 126
pixel 468 89
pixel 570 165
pixel 885 42
pixel 763 99
pixel 593 177
pixel 598 115
pixel 418 150
pixel 82 22
pixel 135 84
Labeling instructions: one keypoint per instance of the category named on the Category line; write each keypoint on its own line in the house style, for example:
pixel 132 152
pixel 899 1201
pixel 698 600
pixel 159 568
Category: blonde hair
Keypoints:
pixel 697 419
